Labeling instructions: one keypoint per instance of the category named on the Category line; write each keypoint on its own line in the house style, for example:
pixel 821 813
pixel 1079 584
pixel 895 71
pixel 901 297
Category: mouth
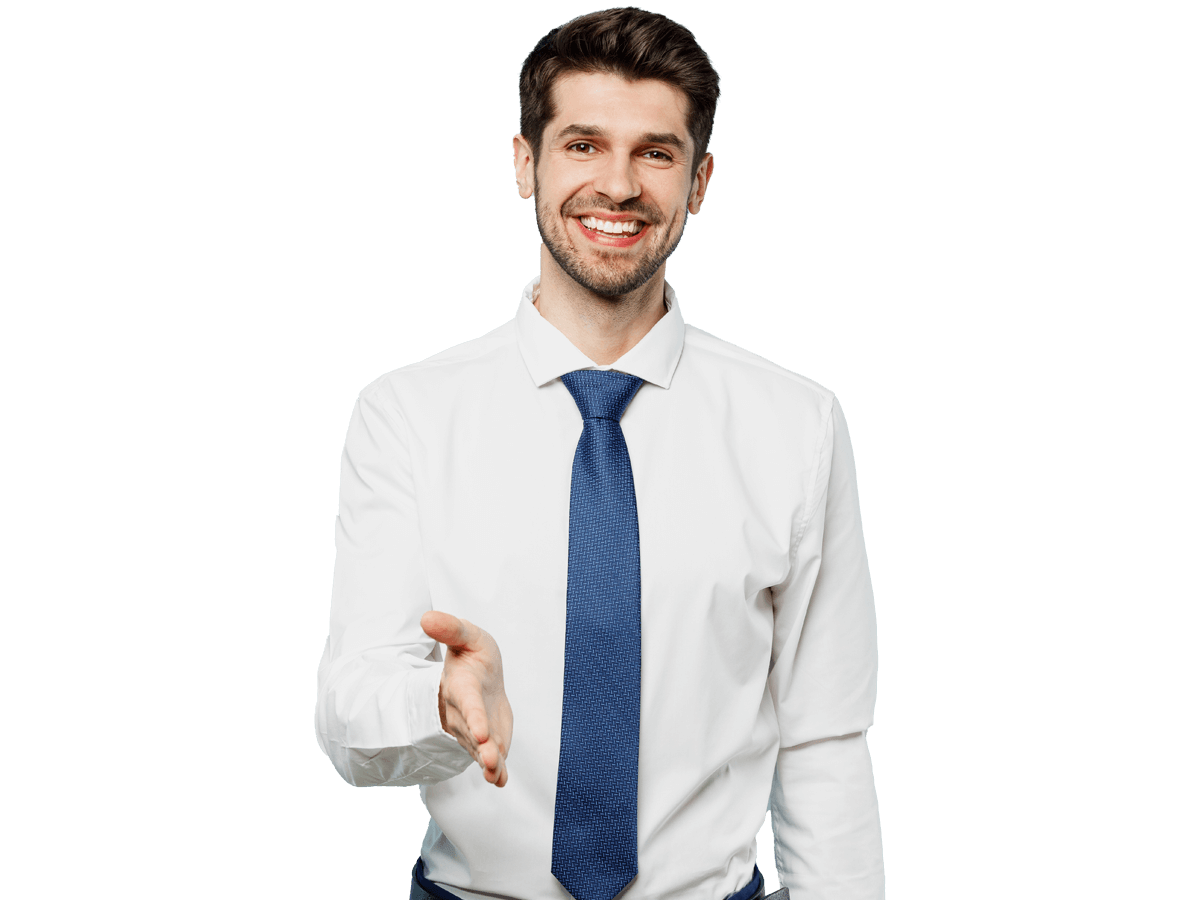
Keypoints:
pixel 611 232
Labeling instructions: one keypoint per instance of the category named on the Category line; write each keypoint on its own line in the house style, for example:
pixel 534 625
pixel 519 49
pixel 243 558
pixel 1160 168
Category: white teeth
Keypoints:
pixel 610 227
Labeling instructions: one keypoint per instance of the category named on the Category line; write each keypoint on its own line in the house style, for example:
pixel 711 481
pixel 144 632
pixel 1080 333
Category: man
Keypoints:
pixel 659 531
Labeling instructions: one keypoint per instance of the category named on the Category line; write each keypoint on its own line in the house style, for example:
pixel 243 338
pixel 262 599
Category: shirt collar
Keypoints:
pixel 548 353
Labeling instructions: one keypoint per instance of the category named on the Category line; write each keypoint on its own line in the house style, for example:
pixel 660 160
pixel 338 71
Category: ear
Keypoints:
pixel 700 184
pixel 523 163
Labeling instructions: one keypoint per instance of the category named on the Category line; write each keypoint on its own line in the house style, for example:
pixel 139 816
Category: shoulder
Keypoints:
pixel 467 362
pixel 751 372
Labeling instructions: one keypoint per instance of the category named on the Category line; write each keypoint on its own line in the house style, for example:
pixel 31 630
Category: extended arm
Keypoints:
pixel 377 686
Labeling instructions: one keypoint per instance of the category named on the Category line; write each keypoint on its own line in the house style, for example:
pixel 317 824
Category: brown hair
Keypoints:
pixel 628 42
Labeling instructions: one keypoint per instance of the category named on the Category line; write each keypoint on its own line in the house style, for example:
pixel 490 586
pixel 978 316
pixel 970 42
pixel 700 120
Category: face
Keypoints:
pixel 614 183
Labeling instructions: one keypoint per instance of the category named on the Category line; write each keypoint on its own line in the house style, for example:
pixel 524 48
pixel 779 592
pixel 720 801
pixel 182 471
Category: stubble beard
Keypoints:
pixel 610 275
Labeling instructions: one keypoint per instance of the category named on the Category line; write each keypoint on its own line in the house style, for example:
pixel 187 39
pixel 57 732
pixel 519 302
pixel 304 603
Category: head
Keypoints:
pixel 632 43
pixel 616 112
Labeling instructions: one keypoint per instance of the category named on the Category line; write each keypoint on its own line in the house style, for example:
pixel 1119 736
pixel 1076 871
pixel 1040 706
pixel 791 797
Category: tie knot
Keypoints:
pixel 601 395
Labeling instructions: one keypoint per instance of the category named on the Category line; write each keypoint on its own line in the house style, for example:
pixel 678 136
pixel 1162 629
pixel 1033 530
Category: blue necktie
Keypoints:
pixel 595 807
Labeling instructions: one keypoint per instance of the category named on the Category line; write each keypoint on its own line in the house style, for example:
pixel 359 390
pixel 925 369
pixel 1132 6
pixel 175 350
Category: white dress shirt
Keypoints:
pixel 758 626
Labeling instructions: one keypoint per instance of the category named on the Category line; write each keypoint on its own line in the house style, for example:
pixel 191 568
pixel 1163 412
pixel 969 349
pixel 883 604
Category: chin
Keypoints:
pixel 610 282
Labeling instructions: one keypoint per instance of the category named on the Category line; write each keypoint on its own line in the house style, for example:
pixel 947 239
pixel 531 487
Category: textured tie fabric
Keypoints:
pixel 595 806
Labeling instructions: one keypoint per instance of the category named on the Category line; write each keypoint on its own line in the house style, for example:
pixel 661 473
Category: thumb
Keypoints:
pixel 446 629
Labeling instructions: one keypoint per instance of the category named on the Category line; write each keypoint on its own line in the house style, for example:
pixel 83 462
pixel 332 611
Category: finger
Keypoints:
pixel 455 633
pixel 465 701
pixel 457 726
pixel 469 635
pixel 477 723
pixel 444 628
pixel 502 779
pixel 491 762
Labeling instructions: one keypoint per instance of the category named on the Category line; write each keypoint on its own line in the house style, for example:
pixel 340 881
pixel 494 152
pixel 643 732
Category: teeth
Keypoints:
pixel 609 227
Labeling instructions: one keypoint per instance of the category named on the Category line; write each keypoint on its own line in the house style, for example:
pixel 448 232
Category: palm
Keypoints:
pixel 471 698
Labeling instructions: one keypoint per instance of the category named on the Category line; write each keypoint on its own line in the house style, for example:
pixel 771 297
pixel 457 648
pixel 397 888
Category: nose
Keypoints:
pixel 617 178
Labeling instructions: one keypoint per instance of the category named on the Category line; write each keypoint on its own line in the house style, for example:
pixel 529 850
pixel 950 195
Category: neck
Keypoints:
pixel 604 328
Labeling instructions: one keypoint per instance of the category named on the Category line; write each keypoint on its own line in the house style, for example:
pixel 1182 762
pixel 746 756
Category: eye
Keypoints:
pixel 581 147
pixel 657 156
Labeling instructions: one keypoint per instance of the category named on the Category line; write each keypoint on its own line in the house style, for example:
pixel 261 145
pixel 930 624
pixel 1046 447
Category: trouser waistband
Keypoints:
pixel 424 889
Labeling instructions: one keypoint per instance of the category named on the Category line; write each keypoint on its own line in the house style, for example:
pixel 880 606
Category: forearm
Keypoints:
pixel 378 722
pixel 377 684
pixel 825 817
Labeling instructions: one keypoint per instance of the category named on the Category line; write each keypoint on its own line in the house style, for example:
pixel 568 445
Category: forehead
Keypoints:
pixel 618 106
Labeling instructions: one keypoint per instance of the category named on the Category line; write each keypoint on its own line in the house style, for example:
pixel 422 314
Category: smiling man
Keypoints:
pixel 639 546
pixel 609 186
pixel 614 178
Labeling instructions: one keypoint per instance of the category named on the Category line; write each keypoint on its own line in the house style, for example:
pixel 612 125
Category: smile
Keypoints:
pixel 611 234
pixel 600 225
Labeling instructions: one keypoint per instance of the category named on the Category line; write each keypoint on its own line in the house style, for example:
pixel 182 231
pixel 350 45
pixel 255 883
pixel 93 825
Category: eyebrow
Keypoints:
pixel 656 137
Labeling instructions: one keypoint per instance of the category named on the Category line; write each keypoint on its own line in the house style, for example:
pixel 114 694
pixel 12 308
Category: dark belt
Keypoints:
pixel 424 889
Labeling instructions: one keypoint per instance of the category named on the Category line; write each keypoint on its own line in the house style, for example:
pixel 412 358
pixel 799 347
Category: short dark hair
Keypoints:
pixel 629 42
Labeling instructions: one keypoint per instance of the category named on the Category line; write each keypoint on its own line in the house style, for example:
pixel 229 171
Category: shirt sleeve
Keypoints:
pixel 824 812
pixel 377 713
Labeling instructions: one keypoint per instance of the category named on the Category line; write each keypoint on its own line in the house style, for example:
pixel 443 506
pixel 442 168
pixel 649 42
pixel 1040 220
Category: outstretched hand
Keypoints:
pixel 471 698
